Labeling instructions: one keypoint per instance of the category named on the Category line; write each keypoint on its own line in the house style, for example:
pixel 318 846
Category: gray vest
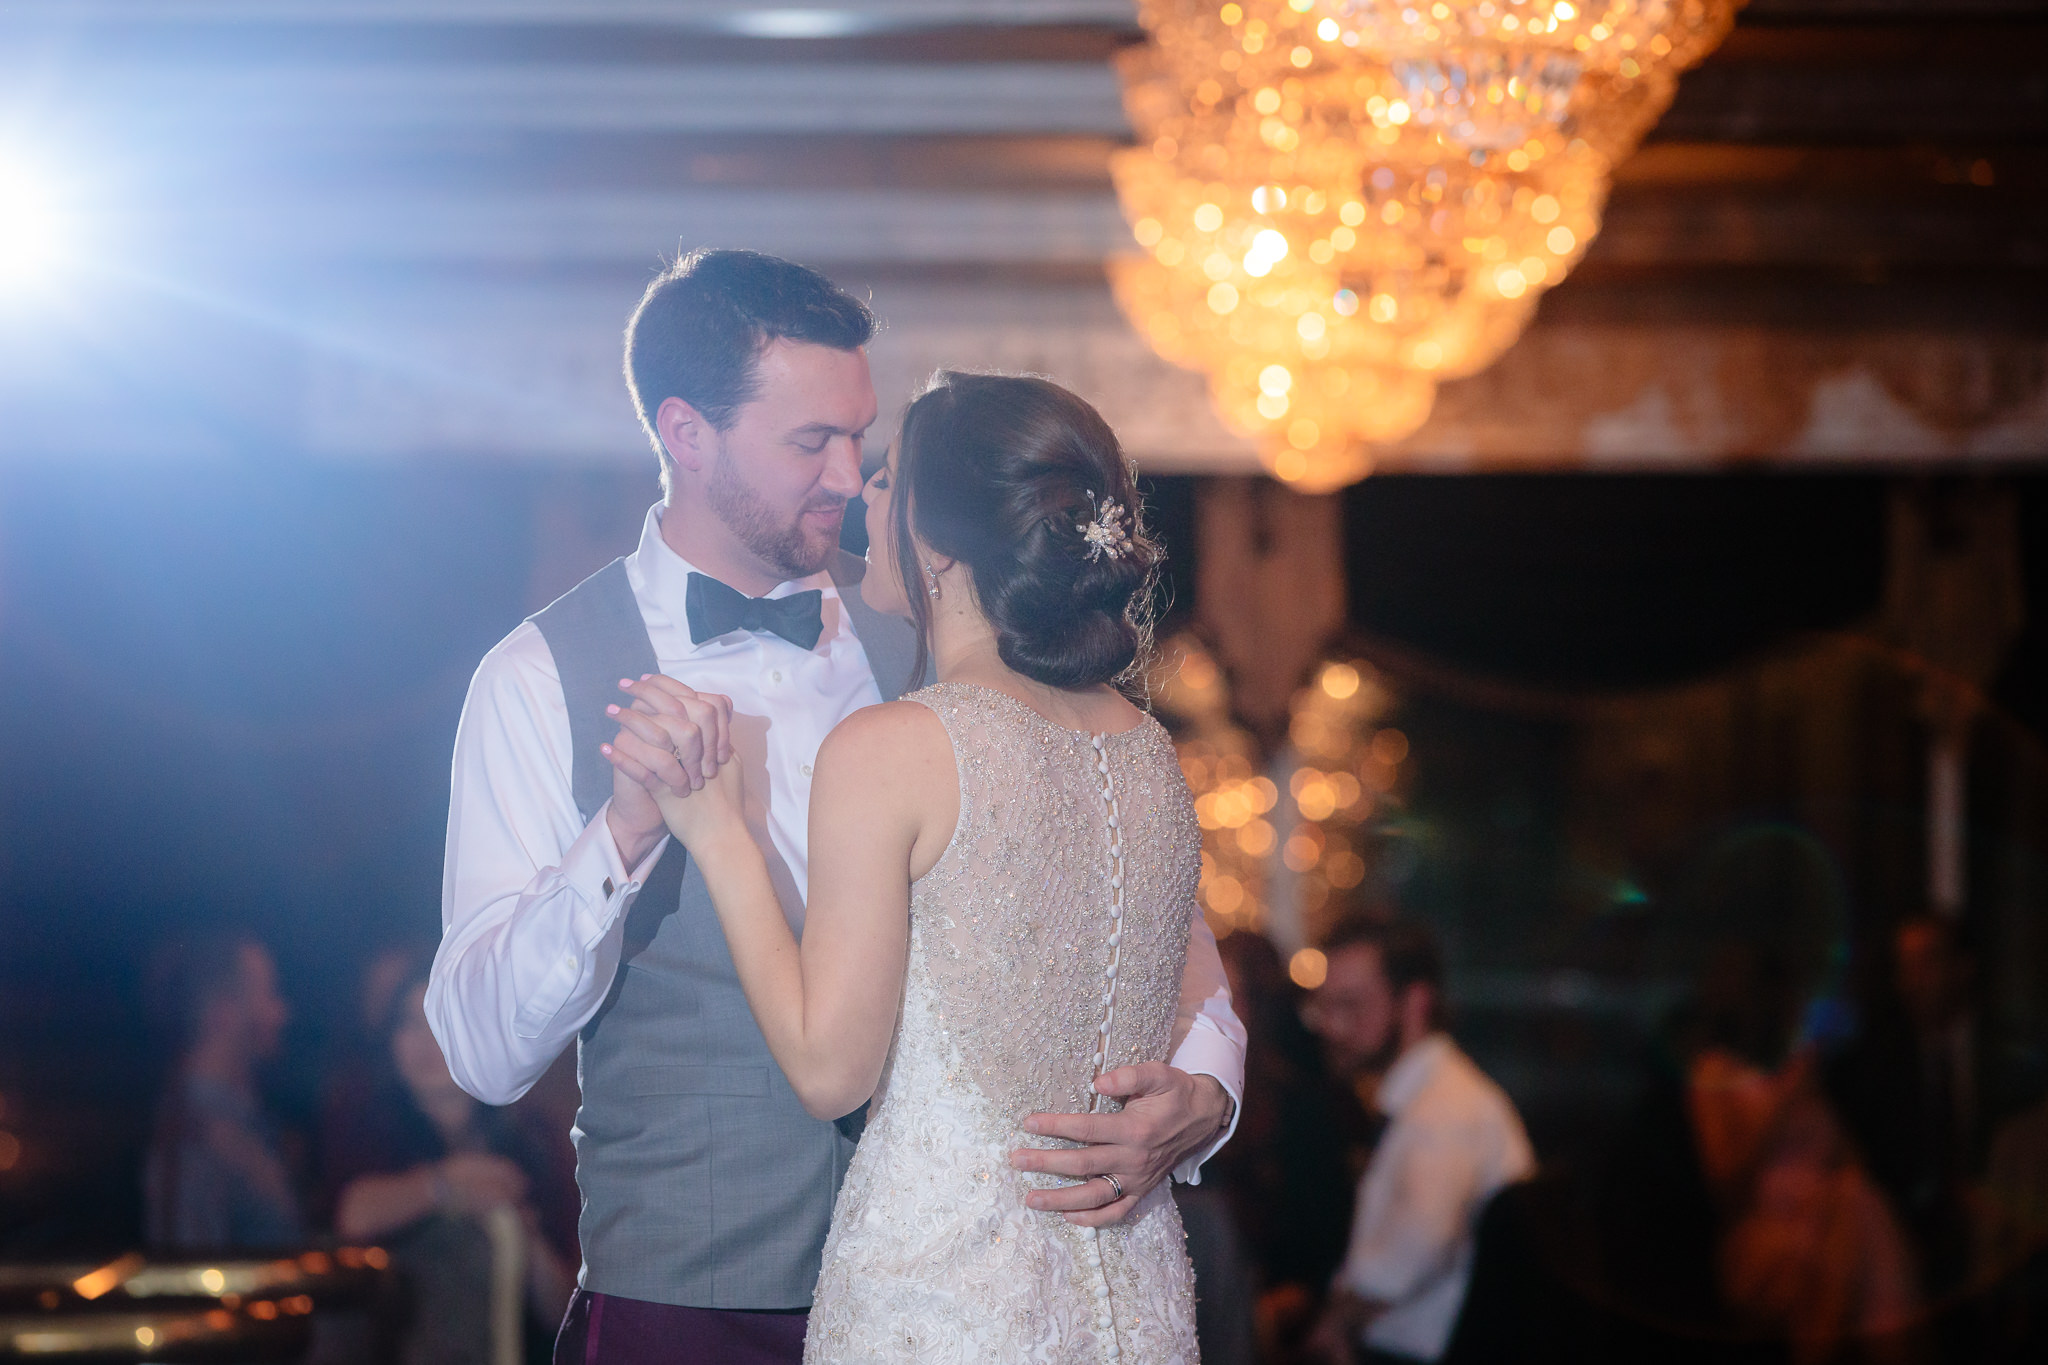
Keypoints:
pixel 704 1181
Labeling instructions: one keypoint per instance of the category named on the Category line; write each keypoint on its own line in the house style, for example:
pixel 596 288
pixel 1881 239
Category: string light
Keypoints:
pixel 1370 196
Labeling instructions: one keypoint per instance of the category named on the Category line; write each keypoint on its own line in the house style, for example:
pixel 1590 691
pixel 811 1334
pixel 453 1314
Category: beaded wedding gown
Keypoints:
pixel 1047 945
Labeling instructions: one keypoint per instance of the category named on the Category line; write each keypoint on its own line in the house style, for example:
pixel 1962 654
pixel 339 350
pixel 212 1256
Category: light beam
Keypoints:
pixel 31 226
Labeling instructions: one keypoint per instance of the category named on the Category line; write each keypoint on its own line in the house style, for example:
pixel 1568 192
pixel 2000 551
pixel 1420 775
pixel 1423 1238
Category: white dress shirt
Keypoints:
pixel 534 901
pixel 1454 1142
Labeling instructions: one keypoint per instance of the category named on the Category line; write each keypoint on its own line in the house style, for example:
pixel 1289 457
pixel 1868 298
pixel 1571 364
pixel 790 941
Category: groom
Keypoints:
pixel 568 913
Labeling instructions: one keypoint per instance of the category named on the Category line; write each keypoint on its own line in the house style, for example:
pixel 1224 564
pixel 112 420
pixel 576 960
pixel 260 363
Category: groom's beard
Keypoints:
pixel 786 544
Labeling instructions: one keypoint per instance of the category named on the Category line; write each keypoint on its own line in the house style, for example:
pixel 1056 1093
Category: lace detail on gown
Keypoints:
pixel 1027 964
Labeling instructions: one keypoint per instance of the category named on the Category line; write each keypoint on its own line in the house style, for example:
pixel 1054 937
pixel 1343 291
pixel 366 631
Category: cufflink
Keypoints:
pixel 607 888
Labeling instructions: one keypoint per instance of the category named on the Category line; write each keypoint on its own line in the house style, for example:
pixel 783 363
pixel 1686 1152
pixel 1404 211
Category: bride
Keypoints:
pixel 1003 874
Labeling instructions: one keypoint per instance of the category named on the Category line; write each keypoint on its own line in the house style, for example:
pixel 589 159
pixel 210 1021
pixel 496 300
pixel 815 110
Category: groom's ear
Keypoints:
pixel 684 433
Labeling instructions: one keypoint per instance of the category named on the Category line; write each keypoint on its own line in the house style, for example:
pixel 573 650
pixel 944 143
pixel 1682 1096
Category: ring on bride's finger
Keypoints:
pixel 1117 1186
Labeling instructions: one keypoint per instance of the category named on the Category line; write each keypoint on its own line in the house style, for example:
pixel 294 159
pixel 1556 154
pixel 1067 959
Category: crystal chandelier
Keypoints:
pixel 1344 202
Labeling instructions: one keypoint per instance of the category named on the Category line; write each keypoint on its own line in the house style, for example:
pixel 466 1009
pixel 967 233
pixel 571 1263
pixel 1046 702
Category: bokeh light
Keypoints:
pixel 1308 968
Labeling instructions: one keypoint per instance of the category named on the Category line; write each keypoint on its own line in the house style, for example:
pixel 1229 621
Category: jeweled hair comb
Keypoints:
pixel 1105 532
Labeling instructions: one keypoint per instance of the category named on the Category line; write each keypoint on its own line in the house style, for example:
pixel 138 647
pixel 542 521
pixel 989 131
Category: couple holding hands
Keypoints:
pixel 867 897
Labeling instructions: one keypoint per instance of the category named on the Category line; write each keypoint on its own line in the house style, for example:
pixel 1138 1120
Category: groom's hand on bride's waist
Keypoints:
pixel 1168 1116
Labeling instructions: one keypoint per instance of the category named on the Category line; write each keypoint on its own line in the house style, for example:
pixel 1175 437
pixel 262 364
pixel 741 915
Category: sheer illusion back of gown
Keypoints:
pixel 1047 945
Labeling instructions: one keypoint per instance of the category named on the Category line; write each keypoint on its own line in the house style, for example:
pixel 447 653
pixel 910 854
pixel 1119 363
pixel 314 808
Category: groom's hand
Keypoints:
pixel 671 737
pixel 1168 1116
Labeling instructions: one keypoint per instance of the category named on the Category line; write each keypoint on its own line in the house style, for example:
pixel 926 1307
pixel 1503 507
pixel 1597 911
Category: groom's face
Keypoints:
pixel 791 461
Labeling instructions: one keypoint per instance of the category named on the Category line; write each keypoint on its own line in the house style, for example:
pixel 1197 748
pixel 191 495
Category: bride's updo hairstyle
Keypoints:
pixel 1025 484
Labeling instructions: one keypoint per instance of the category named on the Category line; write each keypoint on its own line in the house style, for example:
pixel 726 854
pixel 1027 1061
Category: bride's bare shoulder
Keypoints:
pixel 891 736
pixel 893 764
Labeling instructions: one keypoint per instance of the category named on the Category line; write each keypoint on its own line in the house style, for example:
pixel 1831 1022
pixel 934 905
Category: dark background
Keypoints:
pixel 228 696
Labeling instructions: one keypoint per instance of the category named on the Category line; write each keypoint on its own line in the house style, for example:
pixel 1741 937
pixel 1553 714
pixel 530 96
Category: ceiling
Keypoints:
pixel 413 228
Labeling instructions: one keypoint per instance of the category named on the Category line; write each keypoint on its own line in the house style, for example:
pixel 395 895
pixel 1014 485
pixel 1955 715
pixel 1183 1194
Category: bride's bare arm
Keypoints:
pixel 884 799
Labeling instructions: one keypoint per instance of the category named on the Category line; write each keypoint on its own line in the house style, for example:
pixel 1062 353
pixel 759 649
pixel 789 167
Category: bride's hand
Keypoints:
pixel 702 798
pixel 711 818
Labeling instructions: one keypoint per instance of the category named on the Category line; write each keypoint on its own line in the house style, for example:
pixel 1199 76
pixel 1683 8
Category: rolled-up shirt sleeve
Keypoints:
pixel 533 899
pixel 1211 1038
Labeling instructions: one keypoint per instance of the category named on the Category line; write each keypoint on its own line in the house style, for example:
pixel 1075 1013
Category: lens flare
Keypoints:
pixel 31 227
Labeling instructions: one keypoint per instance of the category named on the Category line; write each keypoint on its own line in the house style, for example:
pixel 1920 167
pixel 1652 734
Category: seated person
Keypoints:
pixel 1303 1139
pixel 1453 1141
pixel 416 1165
pixel 1810 1251
pixel 215 1179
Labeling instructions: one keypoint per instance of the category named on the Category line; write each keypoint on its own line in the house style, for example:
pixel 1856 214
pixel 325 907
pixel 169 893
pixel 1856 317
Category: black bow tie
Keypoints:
pixel 714 609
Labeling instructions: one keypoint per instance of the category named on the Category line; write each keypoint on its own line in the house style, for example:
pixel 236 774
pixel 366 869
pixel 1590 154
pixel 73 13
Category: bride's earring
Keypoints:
pixel 931 576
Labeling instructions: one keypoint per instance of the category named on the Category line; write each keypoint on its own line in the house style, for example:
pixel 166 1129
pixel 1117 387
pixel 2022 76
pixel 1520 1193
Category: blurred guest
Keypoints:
pixel 1652 1221
pixel 1922 1091
pixel 2012 1239
pixel 1452 1142
pixel 1303 1139
pixel 1810 1251
pixel 215 1178
pixel 1948 1132
pixel 2014 1222
pixel 388 970
pixel 417 1165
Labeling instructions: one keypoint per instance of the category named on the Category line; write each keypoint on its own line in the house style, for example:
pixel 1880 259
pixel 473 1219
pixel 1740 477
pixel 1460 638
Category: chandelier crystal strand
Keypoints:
pixel 1343 202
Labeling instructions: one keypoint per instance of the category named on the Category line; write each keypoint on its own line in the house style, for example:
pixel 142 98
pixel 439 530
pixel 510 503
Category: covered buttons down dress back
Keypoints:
pixel 1047 945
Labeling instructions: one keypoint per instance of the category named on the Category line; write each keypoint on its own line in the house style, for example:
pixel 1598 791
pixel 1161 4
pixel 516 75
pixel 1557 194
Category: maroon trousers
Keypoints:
pixel 602 1329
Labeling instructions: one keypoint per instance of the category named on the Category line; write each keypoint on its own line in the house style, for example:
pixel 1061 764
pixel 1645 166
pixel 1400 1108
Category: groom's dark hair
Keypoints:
pixel 704 321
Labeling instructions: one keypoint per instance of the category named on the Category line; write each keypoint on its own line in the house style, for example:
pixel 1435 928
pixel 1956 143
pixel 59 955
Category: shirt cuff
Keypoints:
pixel 604 886
pixel 614 866
pixel 601 890
pixel 1205 1054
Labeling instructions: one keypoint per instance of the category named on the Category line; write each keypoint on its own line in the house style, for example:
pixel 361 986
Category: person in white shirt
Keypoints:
pixel 707 1189
pixel 1452 1142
